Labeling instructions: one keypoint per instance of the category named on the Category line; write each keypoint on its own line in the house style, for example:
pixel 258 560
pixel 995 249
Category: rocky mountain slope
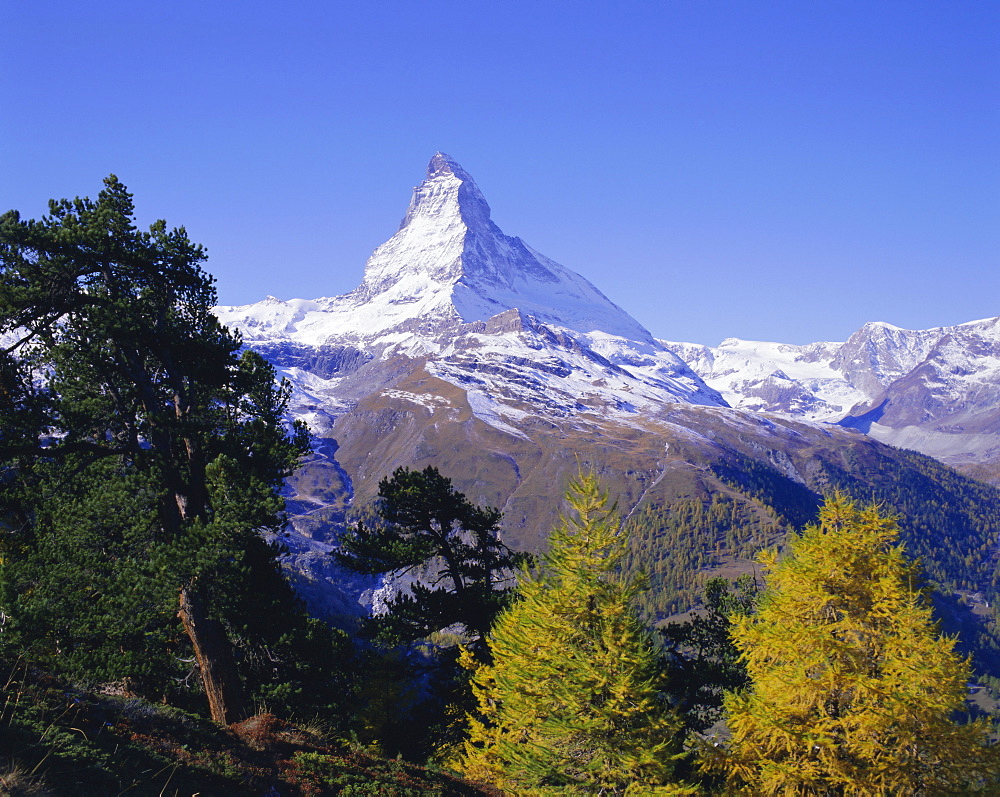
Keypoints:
pixel 936 390
pixel 465 349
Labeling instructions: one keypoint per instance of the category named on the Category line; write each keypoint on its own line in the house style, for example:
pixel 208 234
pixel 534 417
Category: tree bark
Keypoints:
pixel 214 655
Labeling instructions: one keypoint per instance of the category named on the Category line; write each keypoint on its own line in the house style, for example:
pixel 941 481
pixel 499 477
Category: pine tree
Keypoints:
pixel 425 522
pixel 704 662
pixel 141 454
pixel 573 698
pixel 853 691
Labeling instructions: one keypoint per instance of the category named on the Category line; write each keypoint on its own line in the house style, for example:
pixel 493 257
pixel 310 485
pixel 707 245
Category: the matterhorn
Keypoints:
pixel 450 280
pixel 465 349
pixel 450 299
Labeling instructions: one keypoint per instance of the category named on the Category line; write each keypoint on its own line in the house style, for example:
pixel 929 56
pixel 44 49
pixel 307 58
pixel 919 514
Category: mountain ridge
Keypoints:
pixel 935 390
pixel 450 264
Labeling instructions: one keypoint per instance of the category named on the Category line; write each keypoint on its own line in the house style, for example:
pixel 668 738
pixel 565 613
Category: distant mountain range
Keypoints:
pixel 466 349
pixel 935 390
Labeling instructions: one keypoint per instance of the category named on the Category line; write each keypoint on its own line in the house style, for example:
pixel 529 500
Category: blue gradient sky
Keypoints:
pixel 765 170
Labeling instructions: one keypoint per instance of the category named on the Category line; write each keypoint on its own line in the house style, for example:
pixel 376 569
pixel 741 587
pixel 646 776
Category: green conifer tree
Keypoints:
pixel 425 522
pixel 704 662
pixel 141 455
pixel 573 698
pixel 853 690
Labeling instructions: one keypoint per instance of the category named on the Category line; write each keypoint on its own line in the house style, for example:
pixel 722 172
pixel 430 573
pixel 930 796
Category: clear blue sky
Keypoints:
pixel 760 169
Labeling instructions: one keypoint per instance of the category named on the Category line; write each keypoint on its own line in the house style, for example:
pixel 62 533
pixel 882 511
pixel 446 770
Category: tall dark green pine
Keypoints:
pixel 141 455
pixel 426 523
pixel 703 661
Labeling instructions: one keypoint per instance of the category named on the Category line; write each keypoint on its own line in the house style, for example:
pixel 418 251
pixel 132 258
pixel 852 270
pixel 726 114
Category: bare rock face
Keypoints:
pixel 465 349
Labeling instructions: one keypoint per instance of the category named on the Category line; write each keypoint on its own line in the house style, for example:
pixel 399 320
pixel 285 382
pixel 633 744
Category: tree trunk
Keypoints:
pixel 214 654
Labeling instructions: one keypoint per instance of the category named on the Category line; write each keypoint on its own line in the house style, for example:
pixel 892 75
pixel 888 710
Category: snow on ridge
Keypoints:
pixel 796 380
pixel 506 380
pixel 988 327
pixel 824 381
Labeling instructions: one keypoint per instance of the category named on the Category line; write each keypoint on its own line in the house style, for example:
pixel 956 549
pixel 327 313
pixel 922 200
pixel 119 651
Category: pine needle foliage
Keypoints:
pixel 704 662
pixel 573 699
pixel 141 456
pixel 853 690
pixel 424 522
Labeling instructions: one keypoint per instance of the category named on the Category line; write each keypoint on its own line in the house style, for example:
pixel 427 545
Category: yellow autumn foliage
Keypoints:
pixel 573 700
pixel 854 691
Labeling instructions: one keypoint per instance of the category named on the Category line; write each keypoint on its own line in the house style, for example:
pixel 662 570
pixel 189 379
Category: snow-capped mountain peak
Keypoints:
pixel 934 390
pixel 448 264
pixel 448 245
pixel 451 295
pixel 447 190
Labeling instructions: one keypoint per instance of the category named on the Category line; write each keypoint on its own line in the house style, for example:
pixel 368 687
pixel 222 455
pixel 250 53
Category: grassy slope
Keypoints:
pixel 58 739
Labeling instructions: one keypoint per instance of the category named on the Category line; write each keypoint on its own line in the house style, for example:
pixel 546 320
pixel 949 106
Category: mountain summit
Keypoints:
pixel 448 182
pixel 936 390
pixel 448 264
pixel 449 247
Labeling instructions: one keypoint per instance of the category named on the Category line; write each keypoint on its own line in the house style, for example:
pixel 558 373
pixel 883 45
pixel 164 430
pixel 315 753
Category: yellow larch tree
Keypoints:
pixel 572 700
pixel 853 689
